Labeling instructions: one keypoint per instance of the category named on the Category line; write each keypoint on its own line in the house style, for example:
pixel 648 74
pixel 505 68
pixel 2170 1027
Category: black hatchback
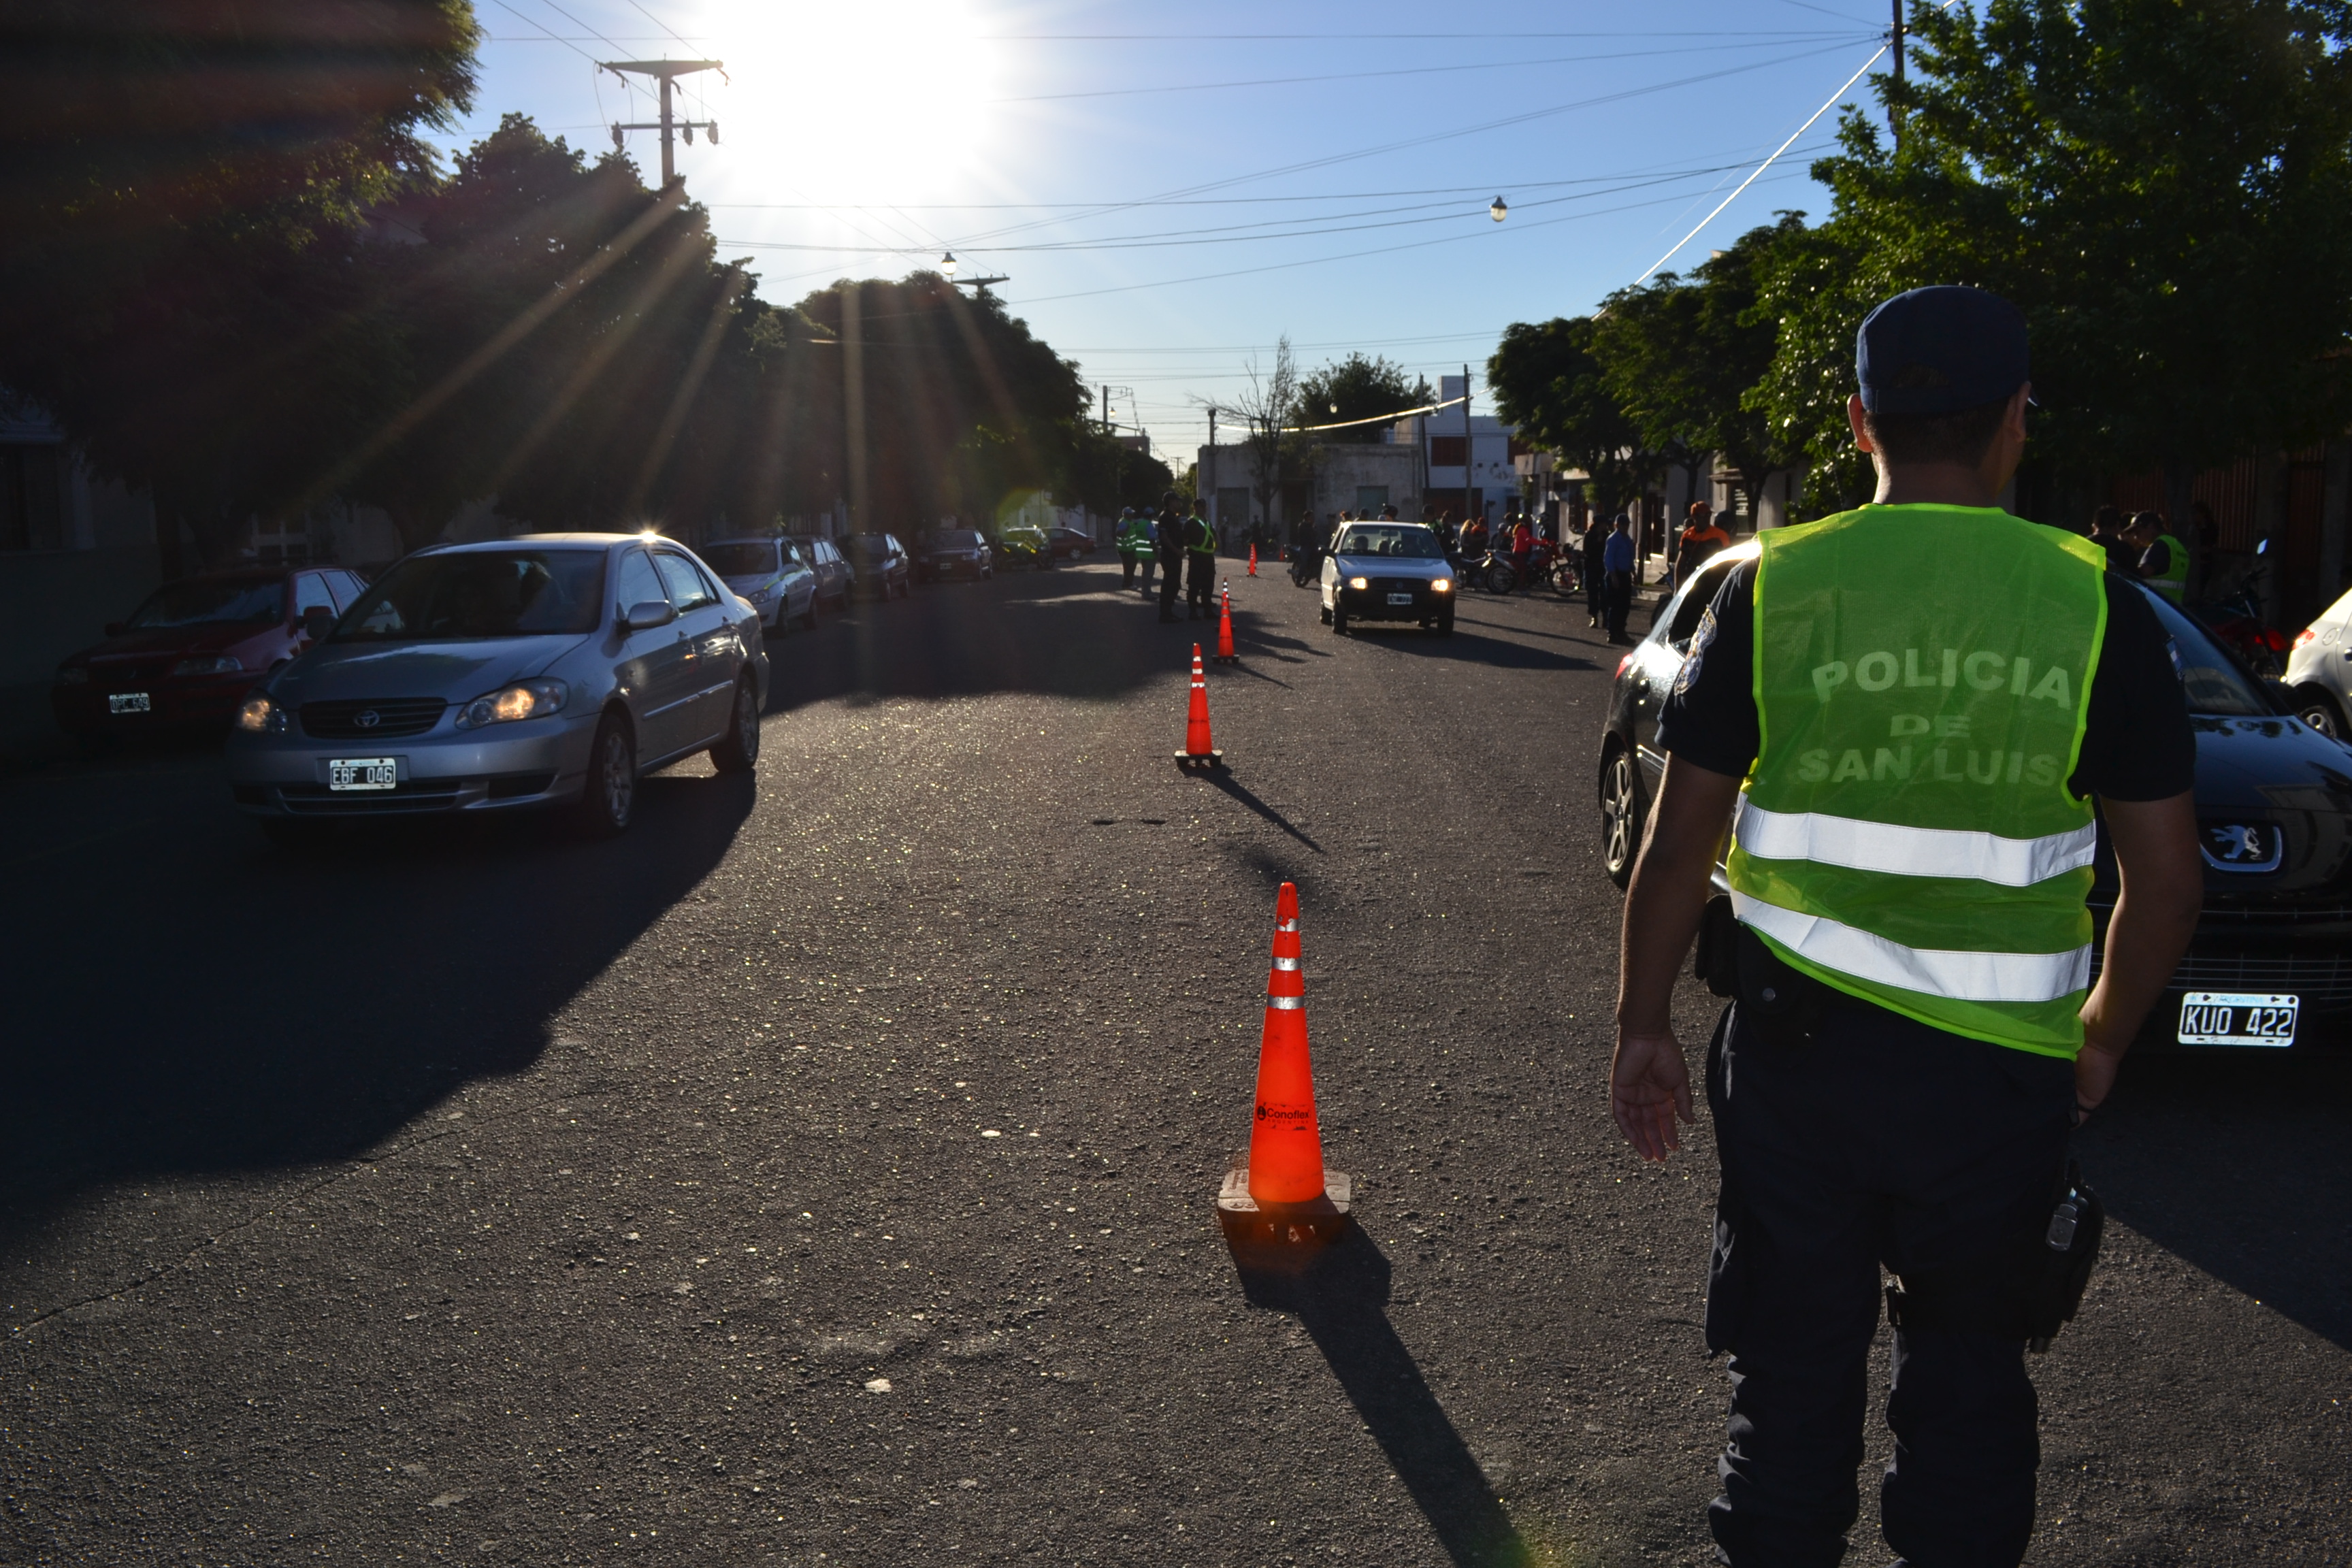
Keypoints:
pixel 879 562
pixel 2271 966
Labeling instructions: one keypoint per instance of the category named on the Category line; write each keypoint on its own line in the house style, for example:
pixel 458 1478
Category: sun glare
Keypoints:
pixel 858 100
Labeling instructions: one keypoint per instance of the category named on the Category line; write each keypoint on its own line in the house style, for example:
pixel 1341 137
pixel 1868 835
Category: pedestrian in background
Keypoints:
pixel 2163 560
pixel 2108 533
pixel 1915 1029
pixel 1617 565
pixel 1700 539
pixel 1596 575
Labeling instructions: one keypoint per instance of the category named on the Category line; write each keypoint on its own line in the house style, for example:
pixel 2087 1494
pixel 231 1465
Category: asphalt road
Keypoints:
pixel 823 1173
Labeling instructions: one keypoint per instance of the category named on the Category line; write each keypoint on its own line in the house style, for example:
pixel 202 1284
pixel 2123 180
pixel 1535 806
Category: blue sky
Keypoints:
pixel 1171 188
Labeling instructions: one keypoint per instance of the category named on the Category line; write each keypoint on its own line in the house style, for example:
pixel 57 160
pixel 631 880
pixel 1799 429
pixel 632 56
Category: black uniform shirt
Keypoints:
pixel 2137 744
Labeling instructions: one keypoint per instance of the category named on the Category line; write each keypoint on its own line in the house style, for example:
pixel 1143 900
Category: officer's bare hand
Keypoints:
pixel 2095 1077
pixel 1649 1088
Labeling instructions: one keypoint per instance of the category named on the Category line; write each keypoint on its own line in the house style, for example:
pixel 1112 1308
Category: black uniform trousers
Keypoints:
pixel 1619 601
pixel 1172 581
pixel 1199 588
pixel 1877 1142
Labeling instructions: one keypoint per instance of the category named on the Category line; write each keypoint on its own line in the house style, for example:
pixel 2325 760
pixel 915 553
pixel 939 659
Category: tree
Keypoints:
pixel 1549 382
pixel 1359 388
pixel 182 282
pixel 2163 186
pixel 1682 357
pixel 1267 410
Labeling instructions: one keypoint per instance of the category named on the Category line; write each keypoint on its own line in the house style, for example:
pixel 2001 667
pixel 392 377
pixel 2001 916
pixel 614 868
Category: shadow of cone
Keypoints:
pixel 1225 629
pixel 1199 750
pixel 1279 1194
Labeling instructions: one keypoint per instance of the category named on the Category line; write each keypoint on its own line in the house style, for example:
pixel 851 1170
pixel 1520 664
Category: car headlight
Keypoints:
pixel 523 700
pixel 73 675
pixel 763 595
pixel 1359 583
pixel 1440 585
pixel 210 664
pixel 260 716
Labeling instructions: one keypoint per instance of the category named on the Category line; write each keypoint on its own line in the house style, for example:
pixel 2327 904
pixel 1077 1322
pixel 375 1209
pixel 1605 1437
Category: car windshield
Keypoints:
pixel 2213 679
pixel 1391 538
pixel 753 558
pixel 868 544
pixel 482 594
pixel 238 601
pixel 955 539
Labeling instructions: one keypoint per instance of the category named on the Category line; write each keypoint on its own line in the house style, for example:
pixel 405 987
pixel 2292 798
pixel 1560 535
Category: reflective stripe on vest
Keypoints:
pixel 1906 833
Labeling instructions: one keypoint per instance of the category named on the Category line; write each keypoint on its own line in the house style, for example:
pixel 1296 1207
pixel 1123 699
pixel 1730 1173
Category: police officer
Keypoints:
pixel 1133 545
pixel 1168 542
pixel 2163 560
pixel 1890 709
pixel 1201 547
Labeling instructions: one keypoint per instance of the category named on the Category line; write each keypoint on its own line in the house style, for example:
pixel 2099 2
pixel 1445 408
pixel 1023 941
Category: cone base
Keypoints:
pixel 1201 759
pixel 1318 1221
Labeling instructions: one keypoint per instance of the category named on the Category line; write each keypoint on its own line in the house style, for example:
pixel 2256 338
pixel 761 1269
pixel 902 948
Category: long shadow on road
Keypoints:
pixel 1339 1295
pixel 2241 1167
pixel 195 1001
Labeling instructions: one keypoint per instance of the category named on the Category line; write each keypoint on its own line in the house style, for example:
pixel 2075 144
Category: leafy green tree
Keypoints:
pixel 181 281
pixel 1549 382
pixel 1682 355
pixel 1359 388
pixel 2163 186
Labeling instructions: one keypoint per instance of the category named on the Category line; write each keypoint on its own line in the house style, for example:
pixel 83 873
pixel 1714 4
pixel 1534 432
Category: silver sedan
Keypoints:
pixel 550 670
pixel 1387 572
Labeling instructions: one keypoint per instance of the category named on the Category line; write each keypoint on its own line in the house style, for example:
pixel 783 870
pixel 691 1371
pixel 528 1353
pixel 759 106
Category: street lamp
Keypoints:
pixel 948 264
pixel 1499 210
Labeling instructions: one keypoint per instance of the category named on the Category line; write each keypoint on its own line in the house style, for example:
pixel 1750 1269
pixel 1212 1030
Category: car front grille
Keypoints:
pixel 318 800
pixel 2320 979
pixel 1400 585
pixel 382 719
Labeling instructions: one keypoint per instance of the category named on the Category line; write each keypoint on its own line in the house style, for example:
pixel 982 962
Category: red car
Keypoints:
pixel 189 653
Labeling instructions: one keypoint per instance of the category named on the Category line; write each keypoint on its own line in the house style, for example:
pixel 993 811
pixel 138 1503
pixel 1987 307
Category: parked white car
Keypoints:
pixel 2319 672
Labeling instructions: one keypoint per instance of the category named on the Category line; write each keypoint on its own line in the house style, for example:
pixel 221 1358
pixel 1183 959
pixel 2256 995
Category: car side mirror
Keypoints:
pixel 646 617
pixel 317 622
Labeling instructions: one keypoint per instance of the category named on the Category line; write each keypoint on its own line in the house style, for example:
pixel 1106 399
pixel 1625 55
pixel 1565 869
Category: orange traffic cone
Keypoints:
pixel 1252 571
pixel 1225 630
pixel 1198 748
pixel 1279 1191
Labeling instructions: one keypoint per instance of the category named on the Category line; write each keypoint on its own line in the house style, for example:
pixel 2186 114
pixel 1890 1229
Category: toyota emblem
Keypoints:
pixel 368 719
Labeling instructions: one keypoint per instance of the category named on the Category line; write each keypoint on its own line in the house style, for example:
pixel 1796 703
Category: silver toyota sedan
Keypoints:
pixel 549 670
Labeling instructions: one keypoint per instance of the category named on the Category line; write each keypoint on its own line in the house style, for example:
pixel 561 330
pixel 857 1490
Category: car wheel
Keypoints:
pixel 2316 707
pixel 808 616
pixel 1324 615
pixel 609 803
pixel 1446 625
pixel 1339 623
pixel 1622 811
pixel 741 748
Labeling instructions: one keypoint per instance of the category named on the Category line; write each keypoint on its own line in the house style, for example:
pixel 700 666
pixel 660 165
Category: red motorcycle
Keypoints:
pixel 1502 572
pixel 2237 623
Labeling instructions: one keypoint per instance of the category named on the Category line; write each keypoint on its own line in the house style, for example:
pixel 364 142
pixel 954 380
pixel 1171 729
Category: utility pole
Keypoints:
pixel 1469 451
pixel 1209 480
pixel 666 71
pixel 1895 113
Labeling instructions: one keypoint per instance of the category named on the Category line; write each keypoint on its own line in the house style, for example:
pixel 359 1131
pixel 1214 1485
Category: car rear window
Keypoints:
pixel 750 559
pixel 199 601
pixel 482 594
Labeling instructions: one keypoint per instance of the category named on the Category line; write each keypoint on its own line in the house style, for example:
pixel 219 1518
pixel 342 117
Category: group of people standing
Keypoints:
pixel 2143 548
pixel 1178 542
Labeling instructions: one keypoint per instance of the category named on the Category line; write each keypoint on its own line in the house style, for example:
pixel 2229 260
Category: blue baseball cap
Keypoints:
pixel 1940 349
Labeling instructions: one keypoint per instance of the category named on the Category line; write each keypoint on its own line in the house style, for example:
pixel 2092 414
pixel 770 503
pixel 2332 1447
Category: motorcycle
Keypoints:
pixel 1502 573
pixel 1306 565
pixel 2237 623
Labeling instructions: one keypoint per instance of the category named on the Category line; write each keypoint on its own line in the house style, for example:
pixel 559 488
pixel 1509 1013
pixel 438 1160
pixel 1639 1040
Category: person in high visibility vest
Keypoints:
pixel 1200 548
pixel 1904 714
pixel 2163 559
pixel 1134 545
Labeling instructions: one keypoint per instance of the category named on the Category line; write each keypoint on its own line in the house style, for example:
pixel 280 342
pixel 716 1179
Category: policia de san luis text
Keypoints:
pixel 1904 714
